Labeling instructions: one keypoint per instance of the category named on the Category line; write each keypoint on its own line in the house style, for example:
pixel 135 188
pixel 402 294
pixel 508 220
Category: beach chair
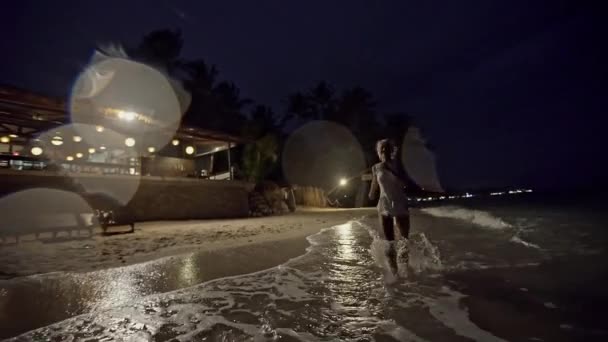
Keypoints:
pixel 109 212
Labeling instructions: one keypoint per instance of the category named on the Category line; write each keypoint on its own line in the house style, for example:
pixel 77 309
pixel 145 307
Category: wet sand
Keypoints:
pixel 153 240
pixel 554 301
pixel 159 257
pixel 32 302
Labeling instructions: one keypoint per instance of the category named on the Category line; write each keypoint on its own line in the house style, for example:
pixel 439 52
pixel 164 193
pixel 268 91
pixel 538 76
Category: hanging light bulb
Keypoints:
pixel 69 158
pixel 5 140
pixel 79 155
pixel 189 150
pixel 151 149
pixel 77 138
pixel 57 140
pixel 36 151
pixel 175 142
pixel 91 150
pixel 130 142
pixel 99 129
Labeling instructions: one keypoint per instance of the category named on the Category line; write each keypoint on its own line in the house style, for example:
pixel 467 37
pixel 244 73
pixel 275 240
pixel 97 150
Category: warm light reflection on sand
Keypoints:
pixel 345 250
pixel 188 272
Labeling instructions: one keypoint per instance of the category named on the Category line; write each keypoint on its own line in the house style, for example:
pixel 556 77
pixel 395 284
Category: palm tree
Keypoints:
pixel 200 76
pixel 230 98
pixel 356 108
pixel 262 121
pixel 321 97
pixel 318 103
pixel 260 158
pixel 298 106
pixel 161 49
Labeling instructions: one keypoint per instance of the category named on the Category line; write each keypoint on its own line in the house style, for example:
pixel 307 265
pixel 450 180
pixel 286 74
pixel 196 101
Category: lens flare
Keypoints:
pixel 419 161
pixel 114 152
pixel 34 210
pixel 128 97
pixel 318 151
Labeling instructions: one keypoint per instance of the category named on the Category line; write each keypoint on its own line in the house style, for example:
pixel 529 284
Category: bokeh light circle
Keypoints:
pixel 127 97
pixel 320 153
pixel 36 151
pixel 419 161
pixel 33 210
pixel 108 155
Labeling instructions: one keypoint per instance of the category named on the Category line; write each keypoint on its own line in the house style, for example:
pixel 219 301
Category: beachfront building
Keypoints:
pixel 182 172
pixel 26 119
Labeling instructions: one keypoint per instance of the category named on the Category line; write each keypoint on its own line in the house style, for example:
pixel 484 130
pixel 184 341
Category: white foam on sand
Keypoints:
pixel 448 310
pixel 422 255
pixel 517 239
pixel 294 300
pixel 477 217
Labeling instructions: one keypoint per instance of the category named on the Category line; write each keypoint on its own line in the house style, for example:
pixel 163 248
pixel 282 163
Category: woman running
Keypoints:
pixel 391 179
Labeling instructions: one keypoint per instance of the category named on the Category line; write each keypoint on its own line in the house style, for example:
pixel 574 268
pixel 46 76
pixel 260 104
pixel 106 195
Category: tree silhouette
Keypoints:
pixel 200 77
pixel 161 49
pixel 322 98
pixel 260 158
pixel 355 109
pixel 396 126
pixel 218 104
pixel 298 105
pixel 262 121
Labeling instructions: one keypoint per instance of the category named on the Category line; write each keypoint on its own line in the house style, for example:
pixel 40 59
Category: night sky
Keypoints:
pixel 508 92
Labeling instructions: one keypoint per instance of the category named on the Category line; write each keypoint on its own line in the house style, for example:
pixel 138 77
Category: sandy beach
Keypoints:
pixel 153 240
pixel 516 300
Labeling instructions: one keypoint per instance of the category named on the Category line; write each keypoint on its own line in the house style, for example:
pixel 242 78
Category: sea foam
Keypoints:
pixel 477 217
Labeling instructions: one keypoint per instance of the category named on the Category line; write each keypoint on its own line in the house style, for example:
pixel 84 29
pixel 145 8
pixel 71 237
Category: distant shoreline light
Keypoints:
pixel 470 195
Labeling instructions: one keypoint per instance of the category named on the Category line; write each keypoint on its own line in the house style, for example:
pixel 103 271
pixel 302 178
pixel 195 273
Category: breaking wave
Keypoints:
pixel 477 217
pixel 333 292
pixel 517 239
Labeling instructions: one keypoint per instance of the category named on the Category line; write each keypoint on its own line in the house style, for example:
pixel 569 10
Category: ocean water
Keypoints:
pixel 482 272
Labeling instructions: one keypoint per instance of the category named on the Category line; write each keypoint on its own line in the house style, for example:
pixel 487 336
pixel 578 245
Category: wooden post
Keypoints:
pixel 231 176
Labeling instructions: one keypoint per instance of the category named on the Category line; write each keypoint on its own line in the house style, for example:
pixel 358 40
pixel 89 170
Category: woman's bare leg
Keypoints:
pixel 403 224
pixel 388 229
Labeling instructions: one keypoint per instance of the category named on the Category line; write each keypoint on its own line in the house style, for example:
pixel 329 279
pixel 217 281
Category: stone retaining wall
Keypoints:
pixel 151 198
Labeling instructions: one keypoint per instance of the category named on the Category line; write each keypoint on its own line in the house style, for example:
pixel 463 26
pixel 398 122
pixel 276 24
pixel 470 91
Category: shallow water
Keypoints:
pixel 338 290
pixel 28 303
pixel 472 275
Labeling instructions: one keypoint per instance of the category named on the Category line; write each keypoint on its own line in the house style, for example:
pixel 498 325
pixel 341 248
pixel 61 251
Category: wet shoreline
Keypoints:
pixel 557 300
pixel 28 303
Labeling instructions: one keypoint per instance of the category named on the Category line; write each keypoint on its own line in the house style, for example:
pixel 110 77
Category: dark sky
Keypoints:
pixel 509 92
